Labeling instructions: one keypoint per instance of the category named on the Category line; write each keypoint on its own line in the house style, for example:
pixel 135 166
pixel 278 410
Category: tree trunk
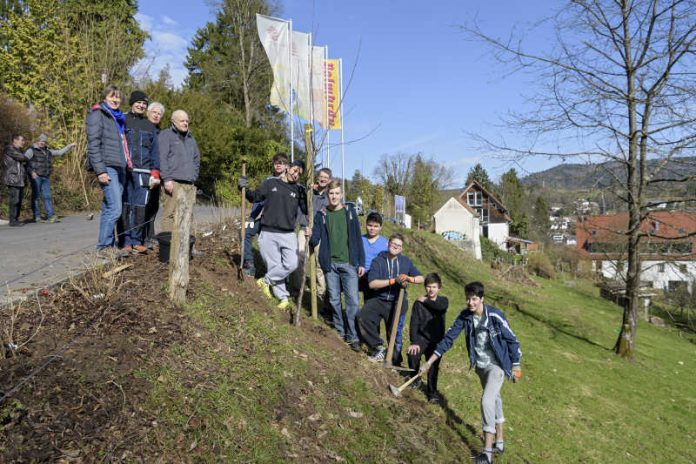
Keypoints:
pixel 309 162
pixel 179 254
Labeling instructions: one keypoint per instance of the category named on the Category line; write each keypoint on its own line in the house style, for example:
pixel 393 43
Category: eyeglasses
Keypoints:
pixel 396 245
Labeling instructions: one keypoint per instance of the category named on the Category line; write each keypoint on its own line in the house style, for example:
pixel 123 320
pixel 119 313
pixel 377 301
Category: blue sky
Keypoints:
pixel 418 84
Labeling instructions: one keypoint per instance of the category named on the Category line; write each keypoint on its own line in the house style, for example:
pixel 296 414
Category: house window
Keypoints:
pixel 682 268
pixel 484 215
pixel 661 267
pixel 619 266
pixel 475 198
pixel 656 226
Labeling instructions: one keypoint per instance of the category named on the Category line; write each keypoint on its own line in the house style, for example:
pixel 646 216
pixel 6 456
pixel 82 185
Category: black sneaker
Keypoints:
pixel 416 384
pixel 16 224
pixel 378 355
pixel 434 399
pixel 497 450
pixel 355 346
pixel 482 459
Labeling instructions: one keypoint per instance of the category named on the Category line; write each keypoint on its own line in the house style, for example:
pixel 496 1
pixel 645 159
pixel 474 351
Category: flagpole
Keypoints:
pixel 292 118
pixel 343 124
pixel 326 111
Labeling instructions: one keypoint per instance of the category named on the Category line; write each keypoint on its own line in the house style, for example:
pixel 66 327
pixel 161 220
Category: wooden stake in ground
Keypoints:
pixel 309 163
pixel 179 254
pixel 240 271
pixel 395 326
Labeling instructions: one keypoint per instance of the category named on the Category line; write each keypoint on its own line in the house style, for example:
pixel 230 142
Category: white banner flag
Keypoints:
pixel 300 75
pixel 275 38
pixel 318 85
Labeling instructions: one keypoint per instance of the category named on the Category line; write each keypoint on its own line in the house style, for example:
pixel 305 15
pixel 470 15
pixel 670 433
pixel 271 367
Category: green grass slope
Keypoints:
pixel 577 401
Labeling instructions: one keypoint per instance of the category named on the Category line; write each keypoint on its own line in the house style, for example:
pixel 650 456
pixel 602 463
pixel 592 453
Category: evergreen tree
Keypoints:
pixel 514 198
pixel 541 220
pixel 479 174
pixel 227 60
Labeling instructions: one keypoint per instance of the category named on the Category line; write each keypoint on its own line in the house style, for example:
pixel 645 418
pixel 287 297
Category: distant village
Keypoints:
pixel 668 246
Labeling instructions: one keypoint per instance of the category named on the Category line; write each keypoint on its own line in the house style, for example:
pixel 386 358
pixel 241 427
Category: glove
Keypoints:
pixel 154 179
pixel 516 374
pixel 406 278
pixel 242 182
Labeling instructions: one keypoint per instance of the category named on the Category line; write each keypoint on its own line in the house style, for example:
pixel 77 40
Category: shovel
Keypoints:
pixel 396 391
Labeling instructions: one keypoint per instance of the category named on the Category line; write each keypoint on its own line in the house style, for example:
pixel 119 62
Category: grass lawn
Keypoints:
pixel 577 401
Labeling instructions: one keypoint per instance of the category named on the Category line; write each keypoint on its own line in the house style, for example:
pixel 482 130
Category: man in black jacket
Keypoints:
pixel 40 168
pixel 145 175
pixel 15 172
pixel 426 330
pixel 283 197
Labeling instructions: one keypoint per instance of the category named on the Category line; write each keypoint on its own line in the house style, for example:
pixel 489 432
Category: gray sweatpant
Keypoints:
pixel 492 378
pixel 279 252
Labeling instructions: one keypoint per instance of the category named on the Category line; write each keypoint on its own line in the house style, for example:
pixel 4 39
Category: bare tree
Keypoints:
pixel 620 78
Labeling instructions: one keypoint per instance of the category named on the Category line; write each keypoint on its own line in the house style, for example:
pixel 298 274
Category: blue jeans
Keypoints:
pixel 111 206
pixel 249 233
pixel 343 276
pixel 41 186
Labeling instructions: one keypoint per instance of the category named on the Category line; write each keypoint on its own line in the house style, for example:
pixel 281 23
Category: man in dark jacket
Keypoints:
pixel 495 353
pixel 15 172
pixel 180 163
pixel 390 271
pixel 40 168
pixel 155 112
pixel 426 330
pixel 283 198
pixel 341 257
pixel 320 201
pixel 145 175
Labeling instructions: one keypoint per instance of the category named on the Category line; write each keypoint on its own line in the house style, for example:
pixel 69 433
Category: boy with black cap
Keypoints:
pixel 143 146
pixel 283 196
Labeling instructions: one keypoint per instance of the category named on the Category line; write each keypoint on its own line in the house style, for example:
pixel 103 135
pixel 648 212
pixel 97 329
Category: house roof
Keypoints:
pixel 658 226
pixel 459 202
pixel 476 184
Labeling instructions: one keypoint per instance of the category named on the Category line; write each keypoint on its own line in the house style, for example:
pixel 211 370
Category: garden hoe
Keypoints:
pixel 396 391
pixel 392 339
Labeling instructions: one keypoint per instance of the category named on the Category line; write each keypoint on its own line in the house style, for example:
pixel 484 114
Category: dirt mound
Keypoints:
pixel 80 385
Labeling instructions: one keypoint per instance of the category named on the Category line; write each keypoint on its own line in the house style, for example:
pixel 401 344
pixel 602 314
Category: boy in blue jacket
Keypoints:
pixel 342 259
pixel 495 353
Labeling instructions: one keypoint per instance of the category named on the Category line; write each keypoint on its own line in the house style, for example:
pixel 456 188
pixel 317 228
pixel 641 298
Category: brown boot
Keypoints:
pixel 140 249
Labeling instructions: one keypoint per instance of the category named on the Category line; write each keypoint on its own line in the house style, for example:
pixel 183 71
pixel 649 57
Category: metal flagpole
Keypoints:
pixel 326 105
pixel 343 124
pixel 290 110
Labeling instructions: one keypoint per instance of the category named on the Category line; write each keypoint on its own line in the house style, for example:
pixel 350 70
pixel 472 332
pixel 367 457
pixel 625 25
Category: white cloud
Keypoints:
pixel 145 22
pixel 165 47
pixel 168 21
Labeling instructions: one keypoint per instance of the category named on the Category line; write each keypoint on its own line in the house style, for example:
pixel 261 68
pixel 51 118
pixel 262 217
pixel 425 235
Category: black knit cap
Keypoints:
pixel 298 163
pixel 136 96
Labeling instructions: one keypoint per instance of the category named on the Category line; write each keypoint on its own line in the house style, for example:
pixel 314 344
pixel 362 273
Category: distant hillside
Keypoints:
pixel 589 176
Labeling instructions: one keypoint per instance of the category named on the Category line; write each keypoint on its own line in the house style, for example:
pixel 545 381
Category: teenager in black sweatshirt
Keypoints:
pixel 426 330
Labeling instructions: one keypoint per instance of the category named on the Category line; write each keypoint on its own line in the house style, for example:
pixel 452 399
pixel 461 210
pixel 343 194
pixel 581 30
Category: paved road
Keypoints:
pixel 38 255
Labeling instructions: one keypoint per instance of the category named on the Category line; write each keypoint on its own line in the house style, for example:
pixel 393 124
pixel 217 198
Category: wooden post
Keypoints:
pixel 395 326
pixel 309 255
pixel 184 196
pixel 240 271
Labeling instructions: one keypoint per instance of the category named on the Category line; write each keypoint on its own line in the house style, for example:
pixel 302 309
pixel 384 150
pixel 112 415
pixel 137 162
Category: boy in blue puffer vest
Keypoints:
pixel 495 353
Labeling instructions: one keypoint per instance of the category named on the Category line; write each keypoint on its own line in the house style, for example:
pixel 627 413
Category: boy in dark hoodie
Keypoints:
pixel 389 272
pixel 426 330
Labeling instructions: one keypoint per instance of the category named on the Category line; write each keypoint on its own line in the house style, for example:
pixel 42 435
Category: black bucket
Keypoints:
pixel 165 239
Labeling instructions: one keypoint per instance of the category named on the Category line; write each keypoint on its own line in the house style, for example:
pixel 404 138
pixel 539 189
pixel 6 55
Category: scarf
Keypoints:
pixel 120 119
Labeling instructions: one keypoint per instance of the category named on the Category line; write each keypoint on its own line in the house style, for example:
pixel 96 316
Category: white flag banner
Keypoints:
pixel 318 86
pixel 275 38
pixel 300 75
